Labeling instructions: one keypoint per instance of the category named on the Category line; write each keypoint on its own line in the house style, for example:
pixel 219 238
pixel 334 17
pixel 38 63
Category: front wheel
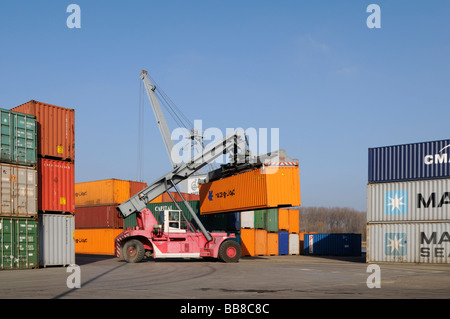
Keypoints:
pixel 133 251
pixel 229 251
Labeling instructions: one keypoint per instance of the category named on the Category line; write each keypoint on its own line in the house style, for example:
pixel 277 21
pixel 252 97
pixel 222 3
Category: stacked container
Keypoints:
pixel 18 214
pixel 97 222
pixel 265 228
pixel 408 218
pixel 55 128
pixel 278 226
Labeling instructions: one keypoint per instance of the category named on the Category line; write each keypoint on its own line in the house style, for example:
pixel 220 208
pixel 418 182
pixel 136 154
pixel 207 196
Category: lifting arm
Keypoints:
pixel 231 143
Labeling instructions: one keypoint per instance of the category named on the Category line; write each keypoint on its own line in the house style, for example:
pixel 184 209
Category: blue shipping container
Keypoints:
pixel 408 162
pixel 283 243
pixel 347 244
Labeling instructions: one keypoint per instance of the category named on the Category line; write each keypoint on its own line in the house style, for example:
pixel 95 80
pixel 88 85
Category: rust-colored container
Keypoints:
pixel 259 188
pixel 187 196
pixel 248 241
pixel 56 186
pixel 105 192
pixel 294 221
pixel 283 219
pixel 260 242
pixel 56 129
pixel 272 244
pixel 95 241
pixel 97 217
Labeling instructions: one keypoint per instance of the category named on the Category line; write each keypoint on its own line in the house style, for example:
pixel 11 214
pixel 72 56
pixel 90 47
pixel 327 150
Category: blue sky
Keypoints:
pixel 313 69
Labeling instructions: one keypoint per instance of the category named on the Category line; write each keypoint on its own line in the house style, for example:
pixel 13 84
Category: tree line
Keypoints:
pixel 332 220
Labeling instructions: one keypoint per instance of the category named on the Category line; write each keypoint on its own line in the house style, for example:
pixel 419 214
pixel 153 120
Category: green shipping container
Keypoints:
pixel 18 243
pixel 272 220
pixel 18 136
pixel 261 219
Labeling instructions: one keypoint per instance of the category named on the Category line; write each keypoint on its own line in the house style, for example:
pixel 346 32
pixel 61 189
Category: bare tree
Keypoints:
pixel 332 220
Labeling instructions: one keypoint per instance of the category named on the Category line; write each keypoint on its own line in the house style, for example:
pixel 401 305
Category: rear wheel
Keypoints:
pixel 229 251
pixel 133 251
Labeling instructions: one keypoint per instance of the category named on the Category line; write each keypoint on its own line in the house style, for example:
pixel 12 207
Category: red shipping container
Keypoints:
pixel 56 129
pixel 97 217
pixel 56 190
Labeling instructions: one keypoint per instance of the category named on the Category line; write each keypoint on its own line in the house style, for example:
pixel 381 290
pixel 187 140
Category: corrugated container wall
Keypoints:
pixel 283 243
pixel 283 219
pixel 425 200
pixel 334 244
pixel 97 217
pixel 418 161
pixel 294 244
pixel 56 240
pixel 275 186
pixel 18 138
pixel 56 180
pixel 272 244
pixel 18 243
pixel 415 242
pixel 248 241
pixel 105 192
pixel 248 219
pixel 56 129
pixel 19 191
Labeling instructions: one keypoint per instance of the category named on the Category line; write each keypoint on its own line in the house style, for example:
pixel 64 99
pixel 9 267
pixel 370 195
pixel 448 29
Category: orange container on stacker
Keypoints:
pixel 270 186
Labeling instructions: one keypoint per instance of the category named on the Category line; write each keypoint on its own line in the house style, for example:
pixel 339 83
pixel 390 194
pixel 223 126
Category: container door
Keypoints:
pixel 6 140
pixel 7 196
pixel 26 249
pixel 25 139
pixel 7 241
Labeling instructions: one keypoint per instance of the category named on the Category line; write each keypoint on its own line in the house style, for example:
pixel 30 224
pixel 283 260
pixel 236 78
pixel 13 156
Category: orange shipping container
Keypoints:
pixel 248 241
pixel 271 187
pixel 283 219
pixel 272 244
pixel 260 242
pixel 95 241
pixel 294 221
pixel 56 182
pixel 56 129
pixel 106 192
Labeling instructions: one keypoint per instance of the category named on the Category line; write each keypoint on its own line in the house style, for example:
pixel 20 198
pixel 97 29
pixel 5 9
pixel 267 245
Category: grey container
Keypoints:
pixel 417 161
pixel 408 242
pixel 425 200
pixel 56 240
pixel 19 191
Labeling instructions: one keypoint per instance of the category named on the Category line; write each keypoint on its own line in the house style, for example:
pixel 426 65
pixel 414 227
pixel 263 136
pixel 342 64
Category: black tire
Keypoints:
pixel 133 251
pixel 229 251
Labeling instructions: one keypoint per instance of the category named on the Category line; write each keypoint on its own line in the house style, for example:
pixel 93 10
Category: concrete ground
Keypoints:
pixel 272 277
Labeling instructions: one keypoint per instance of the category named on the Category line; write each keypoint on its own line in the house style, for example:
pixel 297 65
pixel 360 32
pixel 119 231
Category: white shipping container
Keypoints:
pixel 294 244
pixel 415 242
pixel 56 240
pixel 248 219
pixel 426 200
pixel 18 194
